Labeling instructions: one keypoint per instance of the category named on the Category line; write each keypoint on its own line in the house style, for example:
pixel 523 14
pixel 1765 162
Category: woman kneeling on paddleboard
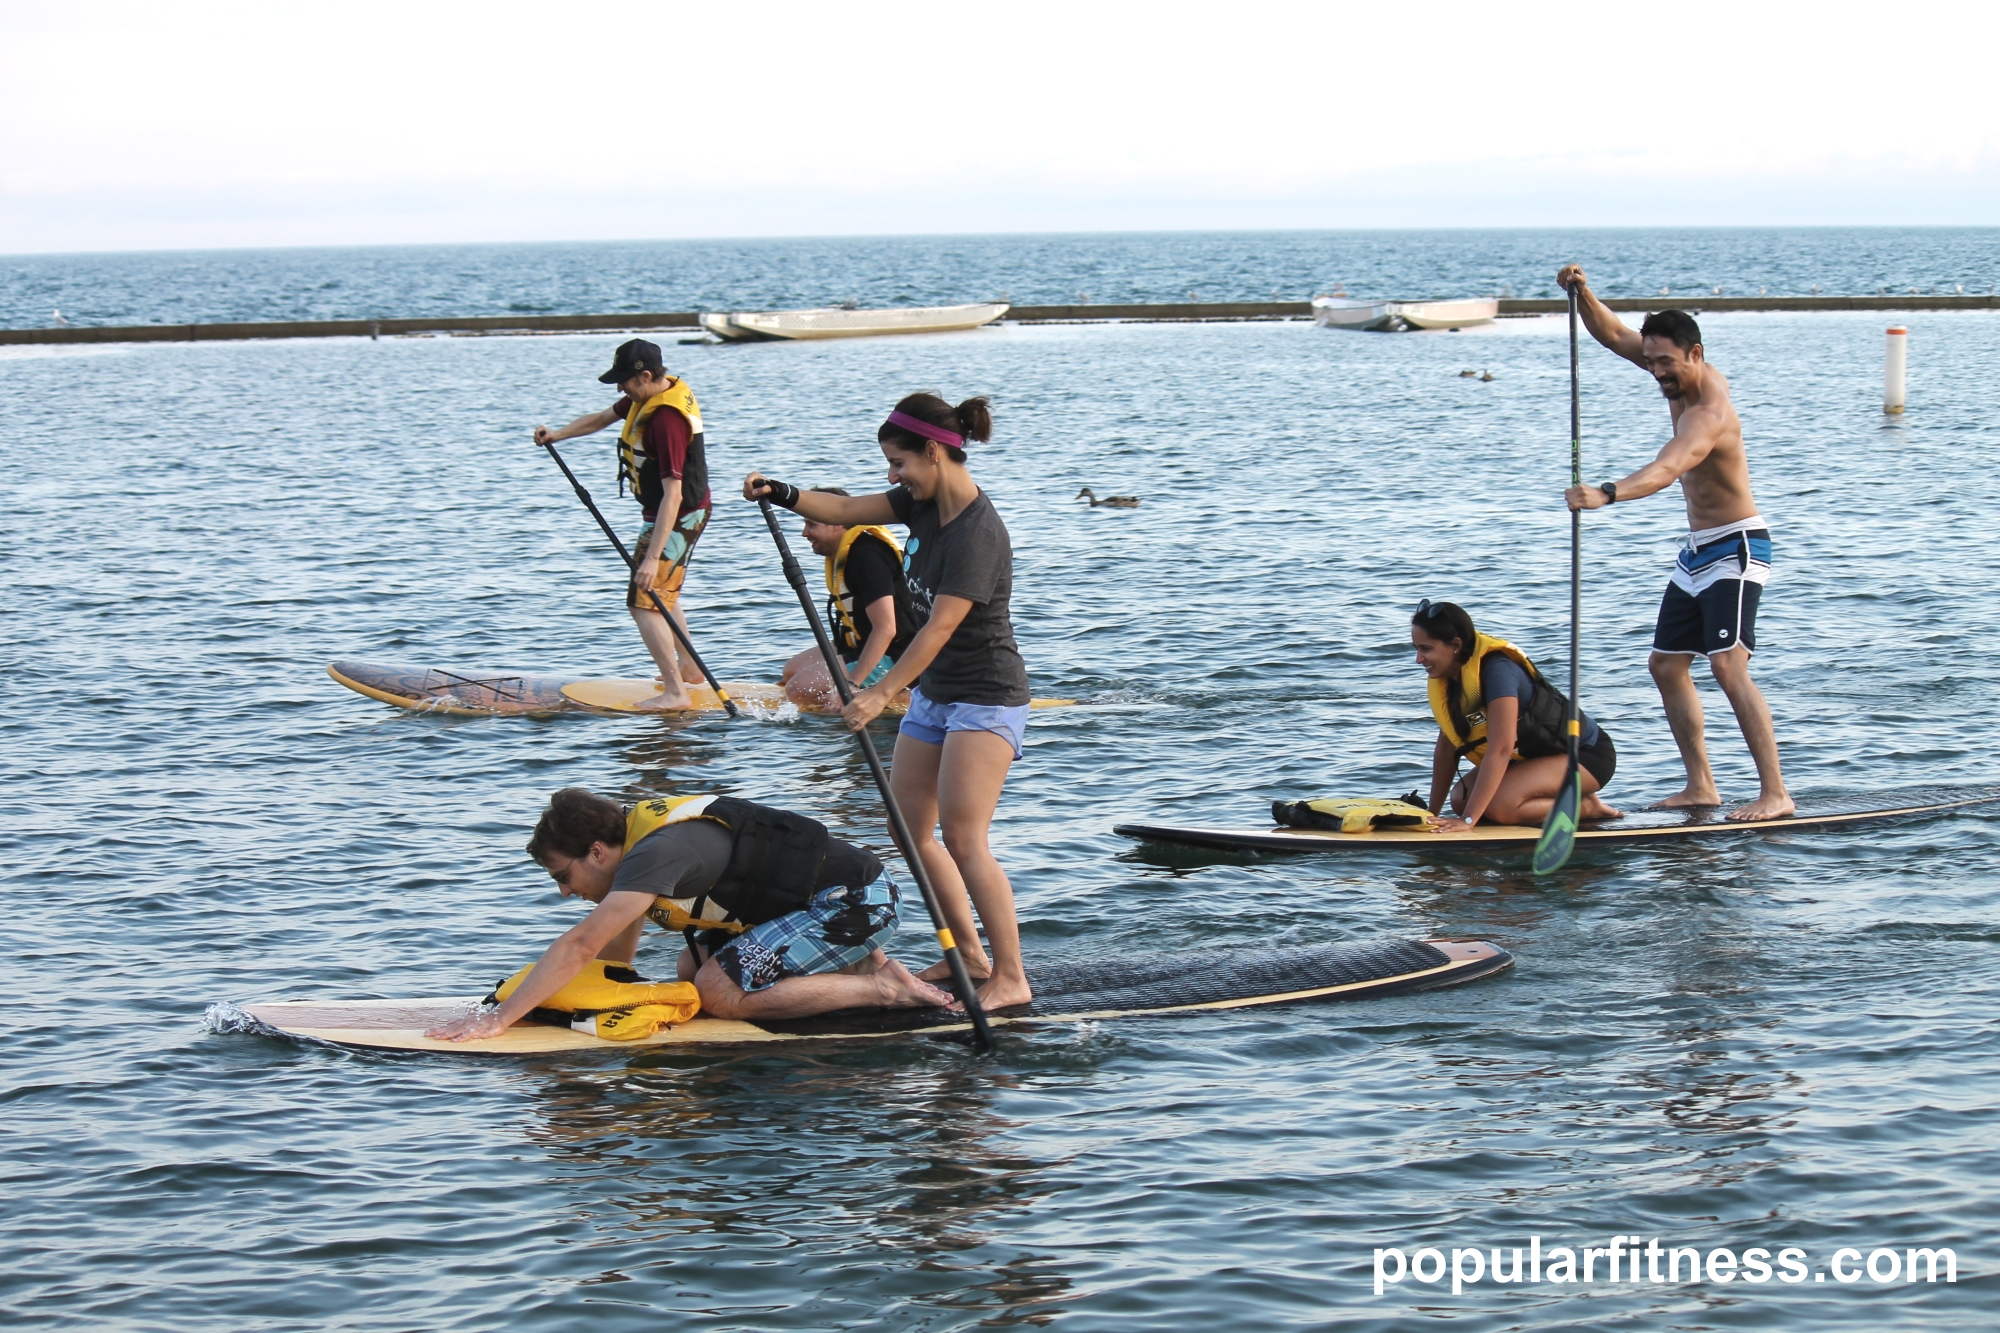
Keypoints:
pixel 1493 707
pixel 968 686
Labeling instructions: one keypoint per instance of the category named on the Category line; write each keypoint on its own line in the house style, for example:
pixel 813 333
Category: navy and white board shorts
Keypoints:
pixel 1710 604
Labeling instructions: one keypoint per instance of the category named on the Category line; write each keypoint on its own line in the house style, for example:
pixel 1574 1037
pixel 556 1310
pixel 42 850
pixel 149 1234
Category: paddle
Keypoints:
pixel 961 980
pixel 1558 838
pixel 659 605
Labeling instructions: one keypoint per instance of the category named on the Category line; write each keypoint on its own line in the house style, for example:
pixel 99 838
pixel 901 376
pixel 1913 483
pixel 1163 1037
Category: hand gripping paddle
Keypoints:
pixel 961 980
pixel 1559 829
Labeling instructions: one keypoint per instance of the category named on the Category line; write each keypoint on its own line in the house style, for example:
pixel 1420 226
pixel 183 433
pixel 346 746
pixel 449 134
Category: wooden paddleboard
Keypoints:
pixel 1638 826
pixel 1161 984
pixel 476 693
pixel 627 696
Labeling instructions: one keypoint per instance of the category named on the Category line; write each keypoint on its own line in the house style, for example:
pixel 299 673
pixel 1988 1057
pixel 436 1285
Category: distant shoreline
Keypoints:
pixel 1159 312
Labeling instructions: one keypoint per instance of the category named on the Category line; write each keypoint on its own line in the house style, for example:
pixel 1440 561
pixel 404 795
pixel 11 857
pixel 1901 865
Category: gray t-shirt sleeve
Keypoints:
pixel 1500 677
pixel 678 861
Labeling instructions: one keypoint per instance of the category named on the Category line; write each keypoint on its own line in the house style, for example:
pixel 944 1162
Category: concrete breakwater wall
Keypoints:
pixel 1026 314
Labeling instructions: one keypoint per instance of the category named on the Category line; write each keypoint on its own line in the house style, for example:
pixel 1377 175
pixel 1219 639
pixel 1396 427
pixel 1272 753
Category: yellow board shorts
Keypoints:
pixel 672 569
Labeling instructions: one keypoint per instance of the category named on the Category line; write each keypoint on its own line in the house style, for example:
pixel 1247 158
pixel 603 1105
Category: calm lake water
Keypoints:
pixel 1763 1041
pixel 379 282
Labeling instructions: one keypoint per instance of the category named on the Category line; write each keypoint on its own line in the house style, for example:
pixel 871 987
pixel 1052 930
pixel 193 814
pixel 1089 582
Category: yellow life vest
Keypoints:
pixel 677 396
pixel 1472 699
pixel 840 598
pixel 1349 816
pixel 648 816
pixel 612 1001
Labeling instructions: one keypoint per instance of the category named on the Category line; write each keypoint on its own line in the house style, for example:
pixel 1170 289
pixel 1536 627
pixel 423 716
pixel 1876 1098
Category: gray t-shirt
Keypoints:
pixel 969 557
pixel 676 860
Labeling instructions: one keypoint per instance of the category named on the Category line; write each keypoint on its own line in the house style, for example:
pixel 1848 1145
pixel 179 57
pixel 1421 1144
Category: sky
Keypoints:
pixel 128 126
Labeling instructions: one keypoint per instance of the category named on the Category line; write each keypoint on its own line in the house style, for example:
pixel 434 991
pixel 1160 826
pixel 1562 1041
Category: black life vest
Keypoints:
pixel 777 861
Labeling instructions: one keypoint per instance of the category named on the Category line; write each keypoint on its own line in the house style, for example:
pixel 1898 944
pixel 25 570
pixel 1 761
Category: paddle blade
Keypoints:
pixel 1558 838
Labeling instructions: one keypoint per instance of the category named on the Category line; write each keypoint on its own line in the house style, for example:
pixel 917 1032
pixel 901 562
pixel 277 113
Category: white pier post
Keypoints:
pixel 1893 366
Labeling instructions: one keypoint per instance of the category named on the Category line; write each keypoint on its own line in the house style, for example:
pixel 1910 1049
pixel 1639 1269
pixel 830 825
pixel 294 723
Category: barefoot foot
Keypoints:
pixel 1004 992
pixel 1689 798
pixel 900 990
pixel 1594 809
pixel 1765 807
pixel 666 703
pixel 977 968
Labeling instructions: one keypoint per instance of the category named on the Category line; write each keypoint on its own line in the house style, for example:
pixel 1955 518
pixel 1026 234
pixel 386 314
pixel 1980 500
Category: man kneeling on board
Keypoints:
pixel 868 609
pixel 782 919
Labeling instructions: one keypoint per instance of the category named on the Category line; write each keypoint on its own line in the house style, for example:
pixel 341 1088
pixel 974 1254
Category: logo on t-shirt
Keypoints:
pixel 909 550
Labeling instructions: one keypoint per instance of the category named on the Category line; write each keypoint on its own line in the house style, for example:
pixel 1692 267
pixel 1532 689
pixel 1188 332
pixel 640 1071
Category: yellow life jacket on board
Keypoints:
pixel 1543 726
pixel 840 598
pixel 1349 816
pixel 610 1000
pixel 677 396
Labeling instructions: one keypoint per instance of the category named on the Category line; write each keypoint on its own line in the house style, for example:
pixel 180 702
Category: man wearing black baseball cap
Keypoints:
pixel 661 456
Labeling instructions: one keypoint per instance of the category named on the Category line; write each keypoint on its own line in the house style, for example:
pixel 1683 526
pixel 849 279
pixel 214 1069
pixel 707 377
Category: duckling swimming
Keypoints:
pixel 1109 501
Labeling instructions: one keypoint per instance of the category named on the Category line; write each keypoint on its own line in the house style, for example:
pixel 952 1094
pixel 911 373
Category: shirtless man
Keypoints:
pixel 1710 605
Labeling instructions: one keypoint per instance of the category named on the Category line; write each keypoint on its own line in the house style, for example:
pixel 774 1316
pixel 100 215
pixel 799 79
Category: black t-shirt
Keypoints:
pixel 970 557
pixel 872 573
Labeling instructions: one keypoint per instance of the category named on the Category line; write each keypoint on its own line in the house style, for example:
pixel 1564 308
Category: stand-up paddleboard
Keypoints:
pixel 1640 826
pixel 629 696
pixel 474 693
pixel 1176 983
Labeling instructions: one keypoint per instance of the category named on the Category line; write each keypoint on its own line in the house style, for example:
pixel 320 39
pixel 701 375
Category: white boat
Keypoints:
pixel 1448 314
pixel 833 322
pixel 1337 312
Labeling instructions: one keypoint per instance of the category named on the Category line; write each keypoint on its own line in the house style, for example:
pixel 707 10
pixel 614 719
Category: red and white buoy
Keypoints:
pixel 1893 366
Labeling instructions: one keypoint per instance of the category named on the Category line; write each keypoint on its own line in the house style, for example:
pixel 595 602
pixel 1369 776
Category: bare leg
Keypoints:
pixel 877 982
pixel 660 643
pixel 690 673
pixel 973 771
pixel 1528 791
pixel 1683 704
pixel 799 662
pixel 914 778
pixel 810 687
pixel 1732 672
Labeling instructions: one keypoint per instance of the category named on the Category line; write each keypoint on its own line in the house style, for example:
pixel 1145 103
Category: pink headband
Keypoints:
pixel 924 428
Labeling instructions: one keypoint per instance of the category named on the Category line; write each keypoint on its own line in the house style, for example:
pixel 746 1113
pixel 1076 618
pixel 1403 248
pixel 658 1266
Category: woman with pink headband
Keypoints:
pixel 968 686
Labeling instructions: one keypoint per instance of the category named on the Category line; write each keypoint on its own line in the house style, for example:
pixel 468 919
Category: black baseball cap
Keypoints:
pixel 631 358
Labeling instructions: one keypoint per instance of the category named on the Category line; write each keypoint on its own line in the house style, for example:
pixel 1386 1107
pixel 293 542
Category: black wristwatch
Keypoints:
pixel 1610 489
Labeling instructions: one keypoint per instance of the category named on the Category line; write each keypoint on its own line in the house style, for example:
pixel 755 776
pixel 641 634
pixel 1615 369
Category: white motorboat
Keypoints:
pixel 1338 312
pixel 834 322
pixel 1448 314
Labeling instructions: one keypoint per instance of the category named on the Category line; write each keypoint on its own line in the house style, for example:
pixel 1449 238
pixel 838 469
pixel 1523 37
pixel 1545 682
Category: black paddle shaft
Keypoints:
pixel 961 980
pixel 631 562
pixel 1575 547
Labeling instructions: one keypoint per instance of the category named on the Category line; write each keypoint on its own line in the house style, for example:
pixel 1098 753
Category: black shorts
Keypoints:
pixel 1722 616
pixel 1600 760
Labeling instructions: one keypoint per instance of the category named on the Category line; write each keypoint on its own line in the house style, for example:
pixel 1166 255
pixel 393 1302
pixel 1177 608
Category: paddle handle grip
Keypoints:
pixel 961 980
pixel 631 562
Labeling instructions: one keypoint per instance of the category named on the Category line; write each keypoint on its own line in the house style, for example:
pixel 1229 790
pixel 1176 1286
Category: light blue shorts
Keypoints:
pixel 929 722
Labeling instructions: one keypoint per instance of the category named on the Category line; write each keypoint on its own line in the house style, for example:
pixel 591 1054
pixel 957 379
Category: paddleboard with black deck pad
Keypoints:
pixel 1832 813
pixel 1173 984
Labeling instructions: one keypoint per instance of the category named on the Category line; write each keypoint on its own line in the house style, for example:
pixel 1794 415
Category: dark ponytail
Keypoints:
pixel 1445 621
pixel 972 419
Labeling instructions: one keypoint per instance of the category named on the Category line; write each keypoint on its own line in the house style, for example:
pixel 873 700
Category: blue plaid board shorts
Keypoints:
pixel 838 928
